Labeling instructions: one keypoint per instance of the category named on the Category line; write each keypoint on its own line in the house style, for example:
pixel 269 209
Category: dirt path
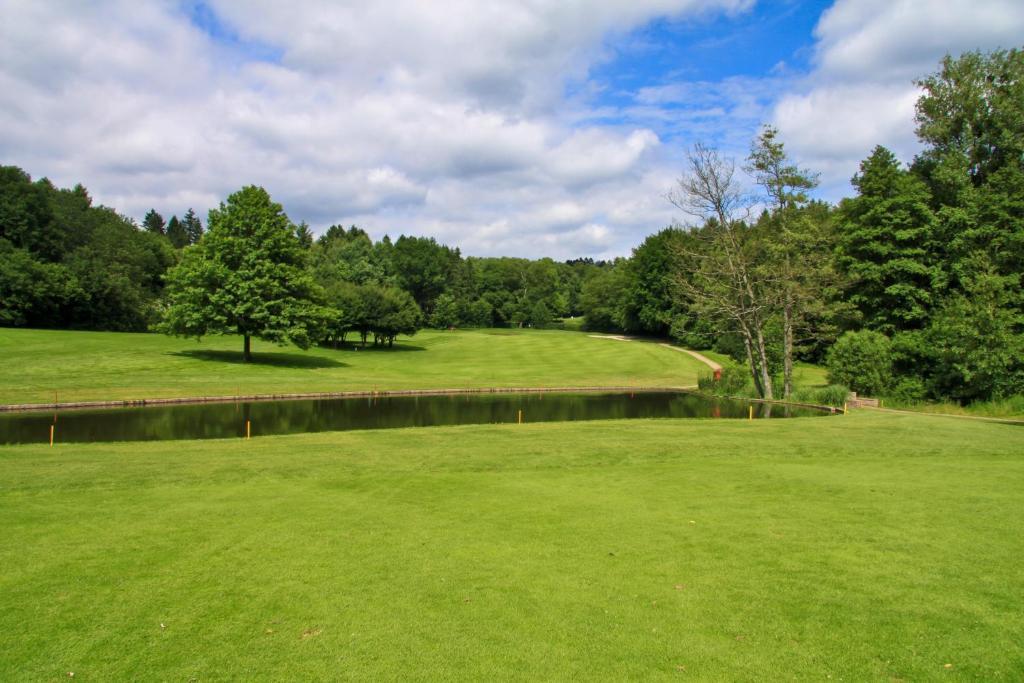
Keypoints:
pixel 701 357
pixel 616 337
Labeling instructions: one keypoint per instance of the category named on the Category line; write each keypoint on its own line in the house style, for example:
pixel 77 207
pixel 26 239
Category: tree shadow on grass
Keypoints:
pixel 277 360
pixel 370 348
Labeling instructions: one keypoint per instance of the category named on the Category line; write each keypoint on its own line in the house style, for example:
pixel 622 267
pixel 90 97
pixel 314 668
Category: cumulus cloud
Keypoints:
pixel 403 117
pixel 477 122
pixel 868 54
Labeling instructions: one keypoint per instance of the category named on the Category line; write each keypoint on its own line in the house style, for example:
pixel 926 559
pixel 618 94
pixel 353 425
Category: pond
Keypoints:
pixel 228 420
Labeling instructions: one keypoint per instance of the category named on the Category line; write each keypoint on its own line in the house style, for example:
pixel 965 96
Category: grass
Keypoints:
pixel 1012 407
pixel 864 547
pixel 98 366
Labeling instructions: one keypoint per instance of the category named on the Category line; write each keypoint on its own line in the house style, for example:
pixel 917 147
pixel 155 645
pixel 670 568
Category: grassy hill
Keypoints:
pixel 109 365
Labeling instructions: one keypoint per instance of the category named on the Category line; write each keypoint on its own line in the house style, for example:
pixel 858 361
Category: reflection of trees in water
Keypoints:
pixel 227 420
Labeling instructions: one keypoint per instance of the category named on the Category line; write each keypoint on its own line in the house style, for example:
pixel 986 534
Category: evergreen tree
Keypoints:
pixel 887 246
pixel 154 222
pixel 304 235
pixel 193 228
pixel 176 233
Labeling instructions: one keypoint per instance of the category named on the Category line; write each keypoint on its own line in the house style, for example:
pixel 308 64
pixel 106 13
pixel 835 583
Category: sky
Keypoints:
pixel 516 128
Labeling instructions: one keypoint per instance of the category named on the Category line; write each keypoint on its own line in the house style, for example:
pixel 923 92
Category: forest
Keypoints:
pixel 909 288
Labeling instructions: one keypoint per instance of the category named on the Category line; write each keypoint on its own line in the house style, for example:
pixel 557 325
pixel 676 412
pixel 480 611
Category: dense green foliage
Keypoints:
pixel 247 276
pixel 757 550
pixel 65 263
pixel 930 255
pixel 862 361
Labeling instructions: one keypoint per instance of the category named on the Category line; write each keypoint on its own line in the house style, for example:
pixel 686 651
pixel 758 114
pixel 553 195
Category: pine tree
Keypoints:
pixel 887 246
pixel 154 222
pixel 193 228
pixel 176 233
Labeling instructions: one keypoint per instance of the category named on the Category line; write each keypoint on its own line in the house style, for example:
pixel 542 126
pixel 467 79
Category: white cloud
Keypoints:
pixel 448 120
pixel 861 92
pixel 403 117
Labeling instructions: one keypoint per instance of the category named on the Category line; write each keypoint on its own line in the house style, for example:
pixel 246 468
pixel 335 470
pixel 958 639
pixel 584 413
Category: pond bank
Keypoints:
pixel 250 398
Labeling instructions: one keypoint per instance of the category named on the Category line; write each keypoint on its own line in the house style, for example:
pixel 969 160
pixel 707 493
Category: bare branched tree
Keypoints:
pixel 724 283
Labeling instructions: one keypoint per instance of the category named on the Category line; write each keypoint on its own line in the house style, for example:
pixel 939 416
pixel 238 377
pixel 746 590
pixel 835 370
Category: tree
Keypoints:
pixel 724 284
pixel 971 119
pixel 154 222
pixel 650 302
pixel 887 246
pixel 446 312
pixel 785 186
pixel 971 115
pixel 177 233
pixel 395 313
pixel 304 234
pixel 602 299
pixel 346 255
pixel 193 228
pixel 862 361
pixel 540 315
pixel 976 341
pixel 247 276
pixel 423 268
pixel 26 215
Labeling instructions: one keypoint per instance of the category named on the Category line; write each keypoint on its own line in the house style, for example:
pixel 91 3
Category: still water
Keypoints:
pixel 228 420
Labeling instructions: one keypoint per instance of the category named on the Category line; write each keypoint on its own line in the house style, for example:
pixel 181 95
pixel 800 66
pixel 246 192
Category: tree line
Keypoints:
pixel 917 274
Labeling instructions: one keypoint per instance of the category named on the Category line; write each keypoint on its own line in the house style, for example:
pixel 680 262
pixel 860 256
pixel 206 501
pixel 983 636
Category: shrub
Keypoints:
pixel 832 395
pixel 862 361
pixel 908 390
pixel 735 382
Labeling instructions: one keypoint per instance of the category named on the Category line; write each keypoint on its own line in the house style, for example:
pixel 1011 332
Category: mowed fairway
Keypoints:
pixel 864 547
pixel 79 366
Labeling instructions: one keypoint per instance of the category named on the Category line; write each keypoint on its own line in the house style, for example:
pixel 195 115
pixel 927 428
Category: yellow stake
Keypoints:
pixel 248 432
pixel 845 405
pixel 51 436
pixel 520 417
pixel 751 411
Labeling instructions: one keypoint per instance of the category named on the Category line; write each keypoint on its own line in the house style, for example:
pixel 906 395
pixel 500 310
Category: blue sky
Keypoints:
pixel 714 46
pixel 549 128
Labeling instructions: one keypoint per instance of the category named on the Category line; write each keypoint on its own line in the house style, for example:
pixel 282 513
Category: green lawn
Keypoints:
pixel 860 547
pixel 109 365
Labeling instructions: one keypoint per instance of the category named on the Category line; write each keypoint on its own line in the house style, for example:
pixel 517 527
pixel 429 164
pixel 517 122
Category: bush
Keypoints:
pixel 735 382
pixel 832 395
pixel 908 390
pixel 862 361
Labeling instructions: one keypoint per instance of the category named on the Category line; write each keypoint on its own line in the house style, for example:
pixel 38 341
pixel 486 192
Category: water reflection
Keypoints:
pixel 228 420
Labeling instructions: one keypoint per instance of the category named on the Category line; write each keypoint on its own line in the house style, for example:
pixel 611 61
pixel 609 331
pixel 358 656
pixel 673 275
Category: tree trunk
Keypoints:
pixel 247 351
pixel 787 346
pixel 748 347
pixel 766 375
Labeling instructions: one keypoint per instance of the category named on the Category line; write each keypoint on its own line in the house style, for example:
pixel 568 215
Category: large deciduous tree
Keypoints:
pixel 247 276
pixel 724 284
